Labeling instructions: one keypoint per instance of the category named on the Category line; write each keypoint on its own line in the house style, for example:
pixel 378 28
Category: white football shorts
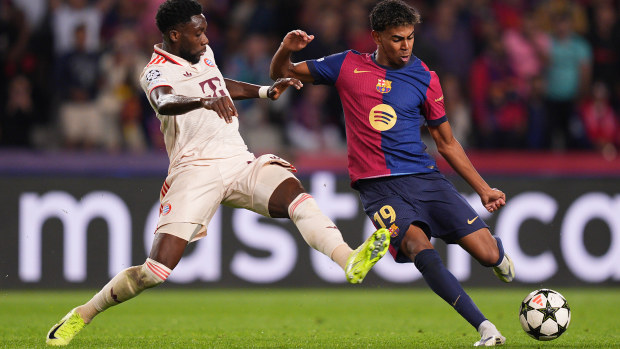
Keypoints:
pixel 192 194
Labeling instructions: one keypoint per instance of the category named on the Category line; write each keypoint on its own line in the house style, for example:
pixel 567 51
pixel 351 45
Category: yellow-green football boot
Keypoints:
pixel 63 332
pixel 367 255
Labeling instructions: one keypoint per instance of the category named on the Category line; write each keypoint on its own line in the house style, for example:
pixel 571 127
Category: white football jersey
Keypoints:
pixel 196 137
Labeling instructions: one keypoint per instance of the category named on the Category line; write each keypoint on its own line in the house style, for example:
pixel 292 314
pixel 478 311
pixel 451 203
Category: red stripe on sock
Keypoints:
pixel 303 198
pixel 161 269
pixel 155 271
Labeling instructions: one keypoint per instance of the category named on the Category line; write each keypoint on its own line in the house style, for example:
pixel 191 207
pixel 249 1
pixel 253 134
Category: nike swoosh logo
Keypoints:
pixel 360 71
pixel 439 99
pixel 51 336
pixel 470 221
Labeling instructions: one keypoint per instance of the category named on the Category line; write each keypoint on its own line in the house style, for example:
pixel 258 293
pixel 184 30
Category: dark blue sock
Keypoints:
pixel 500 247
pixel 446 286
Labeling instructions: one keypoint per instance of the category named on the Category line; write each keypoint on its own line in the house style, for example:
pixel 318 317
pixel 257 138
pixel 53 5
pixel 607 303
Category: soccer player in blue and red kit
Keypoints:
pixel 387 96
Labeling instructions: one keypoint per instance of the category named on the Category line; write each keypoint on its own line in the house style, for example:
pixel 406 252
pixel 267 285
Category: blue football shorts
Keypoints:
pixel 427 200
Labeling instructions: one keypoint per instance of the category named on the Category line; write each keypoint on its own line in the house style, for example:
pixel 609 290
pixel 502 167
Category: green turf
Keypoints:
pixel 353 317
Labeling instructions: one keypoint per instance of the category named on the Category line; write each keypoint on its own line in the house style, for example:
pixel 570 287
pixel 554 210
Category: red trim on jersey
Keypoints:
pixel 166 55
pixel 159 59
pixel 393 251
pixel 156 86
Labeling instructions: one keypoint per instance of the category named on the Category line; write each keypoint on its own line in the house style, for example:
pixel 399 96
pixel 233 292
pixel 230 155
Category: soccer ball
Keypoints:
pixel 544 314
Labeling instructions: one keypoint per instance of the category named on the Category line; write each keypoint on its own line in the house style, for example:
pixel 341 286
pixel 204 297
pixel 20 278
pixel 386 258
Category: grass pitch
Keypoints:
pixel 353 317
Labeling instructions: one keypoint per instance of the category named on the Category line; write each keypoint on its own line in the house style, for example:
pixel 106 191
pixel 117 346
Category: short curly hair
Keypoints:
pixel 174 12
pixel 393 13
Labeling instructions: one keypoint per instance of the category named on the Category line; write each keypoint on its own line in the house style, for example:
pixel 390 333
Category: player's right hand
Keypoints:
pixel 493 200
pixel 296 40
pixel 222 105
pixel 281 85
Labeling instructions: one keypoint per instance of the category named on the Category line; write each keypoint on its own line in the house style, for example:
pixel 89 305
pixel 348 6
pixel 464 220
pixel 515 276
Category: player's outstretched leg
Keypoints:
pixel 63 332
pixel 367 255
pixel 489 335
pixel 124 286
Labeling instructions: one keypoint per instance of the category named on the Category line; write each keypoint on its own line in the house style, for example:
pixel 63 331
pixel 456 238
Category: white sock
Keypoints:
pixel 504 266
pixel 487 329
pixel 341 254
pixel 316 228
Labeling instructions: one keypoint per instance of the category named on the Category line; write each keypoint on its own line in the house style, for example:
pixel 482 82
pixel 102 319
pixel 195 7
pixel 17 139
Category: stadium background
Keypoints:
pixel 78 207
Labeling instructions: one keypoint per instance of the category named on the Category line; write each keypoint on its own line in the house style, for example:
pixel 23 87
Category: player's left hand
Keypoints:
pixel 281 85
pixel 493 200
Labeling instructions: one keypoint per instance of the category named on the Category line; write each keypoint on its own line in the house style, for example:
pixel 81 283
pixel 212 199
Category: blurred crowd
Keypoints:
pixel 516 74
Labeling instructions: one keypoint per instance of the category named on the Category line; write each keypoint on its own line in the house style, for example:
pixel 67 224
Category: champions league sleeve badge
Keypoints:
pixel 153 78
pixel 153 75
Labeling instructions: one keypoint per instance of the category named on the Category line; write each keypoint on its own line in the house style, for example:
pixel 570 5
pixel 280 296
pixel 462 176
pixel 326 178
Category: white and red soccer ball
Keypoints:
pixel 544 314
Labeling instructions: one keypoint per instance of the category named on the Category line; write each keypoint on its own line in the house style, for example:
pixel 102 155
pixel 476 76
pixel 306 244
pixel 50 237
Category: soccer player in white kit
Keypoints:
pixel 211 165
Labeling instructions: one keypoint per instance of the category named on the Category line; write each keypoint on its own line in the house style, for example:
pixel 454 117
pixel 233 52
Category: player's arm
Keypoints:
pixel 281 65
pixel 492 199
pixel 244 90
pixel 169 103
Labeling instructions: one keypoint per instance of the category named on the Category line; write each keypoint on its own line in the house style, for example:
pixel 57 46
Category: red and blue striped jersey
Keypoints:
pixel 384 110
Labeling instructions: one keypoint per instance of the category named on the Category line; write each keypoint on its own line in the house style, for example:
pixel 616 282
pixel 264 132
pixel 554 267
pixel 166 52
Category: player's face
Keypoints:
pixel 193 39
pixel 394 45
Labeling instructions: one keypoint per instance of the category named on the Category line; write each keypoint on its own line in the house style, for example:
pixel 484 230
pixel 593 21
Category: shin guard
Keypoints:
pixel 317 229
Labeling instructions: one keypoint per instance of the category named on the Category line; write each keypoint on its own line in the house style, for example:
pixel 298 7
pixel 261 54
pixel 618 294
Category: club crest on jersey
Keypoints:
pixel 209 62
pixel 384 86
pixel 394 230
pixel 382 117
pixel 165 209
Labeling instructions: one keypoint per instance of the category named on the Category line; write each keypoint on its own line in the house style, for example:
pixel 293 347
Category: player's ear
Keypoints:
pixel 376 36
pixel 174 35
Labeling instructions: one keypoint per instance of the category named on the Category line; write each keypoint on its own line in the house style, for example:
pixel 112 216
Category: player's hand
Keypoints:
pixel 222 105
pixel 493 200
pixel 281 85
pixel 296 40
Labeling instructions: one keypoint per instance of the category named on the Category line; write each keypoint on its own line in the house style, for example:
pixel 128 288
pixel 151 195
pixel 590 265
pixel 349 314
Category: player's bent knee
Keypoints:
pixel 282 197
pixel 489 259
pixel 415 241
pixel 493 254
pixel 484 247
